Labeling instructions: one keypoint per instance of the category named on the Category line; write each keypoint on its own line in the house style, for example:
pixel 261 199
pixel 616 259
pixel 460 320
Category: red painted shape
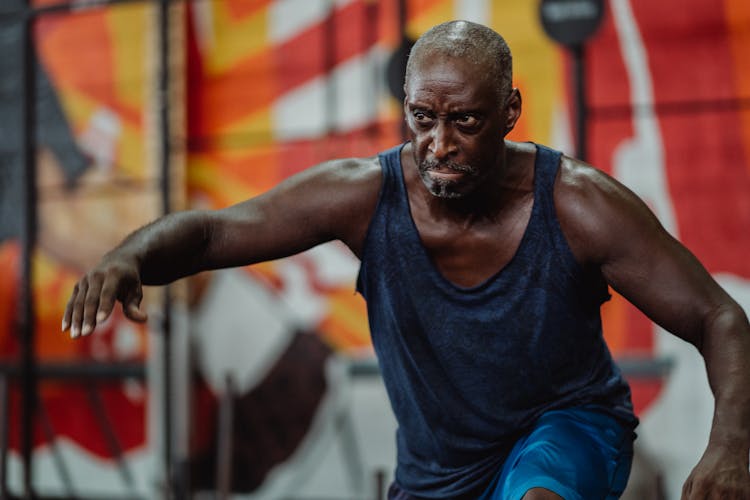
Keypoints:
pixel 691 61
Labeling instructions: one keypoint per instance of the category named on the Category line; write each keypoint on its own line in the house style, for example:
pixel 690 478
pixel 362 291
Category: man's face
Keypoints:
pixel 456 125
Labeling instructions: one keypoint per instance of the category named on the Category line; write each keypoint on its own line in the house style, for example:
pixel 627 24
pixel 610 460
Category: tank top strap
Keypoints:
pixel 547 164
pixel 390 163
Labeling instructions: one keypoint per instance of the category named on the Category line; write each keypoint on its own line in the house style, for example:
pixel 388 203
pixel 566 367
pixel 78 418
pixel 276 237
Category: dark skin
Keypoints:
pixel 471 228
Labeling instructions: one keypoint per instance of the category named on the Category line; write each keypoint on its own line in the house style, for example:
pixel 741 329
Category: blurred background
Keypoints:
pixel 259 382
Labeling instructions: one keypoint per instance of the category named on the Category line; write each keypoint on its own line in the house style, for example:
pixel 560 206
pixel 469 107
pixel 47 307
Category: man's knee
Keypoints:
pixel 541 494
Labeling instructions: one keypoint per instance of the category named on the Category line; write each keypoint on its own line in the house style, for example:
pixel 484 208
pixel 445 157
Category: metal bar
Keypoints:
pixel 644 367
pixel 403 19
pixel 379 484
pixel 92 392
pixel 579 96
pixel 224 440
pixel 51 435
pixel 371 14
pixel 67 8
pixel 166 199
pixel 4 414
pixel 626 111
pixel 329 65
pixel 28 244
pixel 61 371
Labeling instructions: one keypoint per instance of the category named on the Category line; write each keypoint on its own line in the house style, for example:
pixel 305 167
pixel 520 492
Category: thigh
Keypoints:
pixel 576 453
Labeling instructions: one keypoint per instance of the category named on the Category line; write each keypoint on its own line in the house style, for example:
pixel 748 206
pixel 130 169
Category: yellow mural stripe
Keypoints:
pixel 129 40
pixel 427 15
pixel 537 64
pixel 78 108
pixel 252 131
pixel 235 40
pixel 346 313
pixel 226 190
pixel 131 157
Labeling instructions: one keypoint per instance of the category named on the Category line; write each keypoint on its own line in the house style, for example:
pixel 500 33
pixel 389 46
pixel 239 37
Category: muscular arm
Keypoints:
pixel 609 227
pixel 334 200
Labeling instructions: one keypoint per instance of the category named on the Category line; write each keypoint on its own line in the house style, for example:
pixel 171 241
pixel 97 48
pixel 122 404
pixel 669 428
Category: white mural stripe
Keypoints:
pixel 301 113
pixel 286 18
pixel 477 11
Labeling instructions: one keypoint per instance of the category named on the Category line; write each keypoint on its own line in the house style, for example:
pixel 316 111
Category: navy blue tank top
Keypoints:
pixel 467 370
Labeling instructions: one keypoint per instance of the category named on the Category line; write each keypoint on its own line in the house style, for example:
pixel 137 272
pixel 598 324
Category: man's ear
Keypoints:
pixel 512 110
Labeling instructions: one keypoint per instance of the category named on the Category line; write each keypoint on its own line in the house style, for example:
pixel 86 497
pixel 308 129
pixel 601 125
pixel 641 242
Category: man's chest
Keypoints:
pixel 469 254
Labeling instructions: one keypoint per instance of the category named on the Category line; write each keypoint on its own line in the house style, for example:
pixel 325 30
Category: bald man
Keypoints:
pixel 484 264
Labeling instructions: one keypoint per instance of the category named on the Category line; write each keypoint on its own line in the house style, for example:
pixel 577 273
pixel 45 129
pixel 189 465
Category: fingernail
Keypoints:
pixel 86 329
pixel 64 325
pixel 74 332
pixel 100 316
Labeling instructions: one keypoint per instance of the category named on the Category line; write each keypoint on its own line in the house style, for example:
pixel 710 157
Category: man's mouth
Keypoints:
pixel 446 174
pixel 446 171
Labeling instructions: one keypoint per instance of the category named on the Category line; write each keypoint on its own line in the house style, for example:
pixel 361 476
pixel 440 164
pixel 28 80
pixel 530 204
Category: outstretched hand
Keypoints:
pixel 720 474
pixel 95 294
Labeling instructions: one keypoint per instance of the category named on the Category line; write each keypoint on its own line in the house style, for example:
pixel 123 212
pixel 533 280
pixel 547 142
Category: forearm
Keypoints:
pixel 167 249
pixel 726 350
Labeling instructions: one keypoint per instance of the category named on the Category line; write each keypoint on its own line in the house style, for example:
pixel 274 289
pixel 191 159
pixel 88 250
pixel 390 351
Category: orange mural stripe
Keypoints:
pixel 614 323
pixel 78 54
pixel 248 85
pixel 256 169
pixel 737 14
pixel 239 9
pixel 234 95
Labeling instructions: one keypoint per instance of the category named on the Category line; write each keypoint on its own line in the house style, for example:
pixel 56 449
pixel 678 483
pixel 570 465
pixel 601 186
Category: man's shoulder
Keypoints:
pixel 352 171
pixel 594 209
pixel 582 180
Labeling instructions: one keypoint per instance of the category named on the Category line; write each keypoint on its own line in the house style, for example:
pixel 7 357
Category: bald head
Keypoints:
pixel 471 42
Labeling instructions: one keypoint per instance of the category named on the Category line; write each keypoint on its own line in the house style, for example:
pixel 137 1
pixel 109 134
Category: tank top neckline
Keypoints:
pixel 415 239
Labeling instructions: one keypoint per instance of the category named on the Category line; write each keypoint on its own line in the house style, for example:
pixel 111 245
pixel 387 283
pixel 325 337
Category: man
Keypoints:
pixel 484 264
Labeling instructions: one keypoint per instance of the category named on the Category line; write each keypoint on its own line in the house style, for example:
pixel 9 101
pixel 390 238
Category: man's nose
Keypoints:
pixel 442 144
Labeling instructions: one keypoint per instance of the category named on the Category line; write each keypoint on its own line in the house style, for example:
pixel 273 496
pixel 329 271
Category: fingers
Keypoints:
pixel 131 307
pixel 687 488
pixel 93 299
pixel 80 313
pixel 709 489
pixel 77 306
pixel 107 298
pixel 68 314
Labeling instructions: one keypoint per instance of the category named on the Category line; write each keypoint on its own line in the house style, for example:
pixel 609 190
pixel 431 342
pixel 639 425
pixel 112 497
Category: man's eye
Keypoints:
pixel 420 116
pixel 467 120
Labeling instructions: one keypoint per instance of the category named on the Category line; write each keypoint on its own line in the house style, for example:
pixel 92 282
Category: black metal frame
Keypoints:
pixel 29 370
pixel 28 244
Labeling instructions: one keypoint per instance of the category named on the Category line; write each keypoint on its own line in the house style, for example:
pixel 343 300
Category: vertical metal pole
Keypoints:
pixel 329 64
pixel 403 19
pixel 369 39
pixel 4 414
pixel 379 484
pixel 224 440
pixel 579 86
pixel 166 198
pixel 28 243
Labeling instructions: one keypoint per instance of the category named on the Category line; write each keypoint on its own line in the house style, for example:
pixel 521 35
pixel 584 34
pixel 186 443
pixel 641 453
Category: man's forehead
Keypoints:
pixel 447 70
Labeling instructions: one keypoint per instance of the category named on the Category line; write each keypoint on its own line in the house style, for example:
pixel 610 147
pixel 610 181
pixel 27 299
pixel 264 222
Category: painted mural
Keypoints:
pixel 96 183
pixel 275 86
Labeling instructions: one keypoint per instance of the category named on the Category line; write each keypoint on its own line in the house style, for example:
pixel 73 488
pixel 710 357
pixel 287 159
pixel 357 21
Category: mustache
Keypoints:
pixel 427 165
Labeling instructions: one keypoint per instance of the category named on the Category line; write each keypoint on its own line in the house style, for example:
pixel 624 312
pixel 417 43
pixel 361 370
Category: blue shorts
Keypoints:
pixel 578 453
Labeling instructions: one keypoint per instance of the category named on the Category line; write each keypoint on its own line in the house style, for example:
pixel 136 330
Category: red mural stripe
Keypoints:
pixel 690 59
pixel 303 58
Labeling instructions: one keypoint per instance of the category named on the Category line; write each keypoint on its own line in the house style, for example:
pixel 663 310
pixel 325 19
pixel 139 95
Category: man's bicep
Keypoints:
pixel 656 272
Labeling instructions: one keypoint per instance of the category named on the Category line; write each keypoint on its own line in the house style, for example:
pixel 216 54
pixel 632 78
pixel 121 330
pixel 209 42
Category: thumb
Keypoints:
pixel 134 312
